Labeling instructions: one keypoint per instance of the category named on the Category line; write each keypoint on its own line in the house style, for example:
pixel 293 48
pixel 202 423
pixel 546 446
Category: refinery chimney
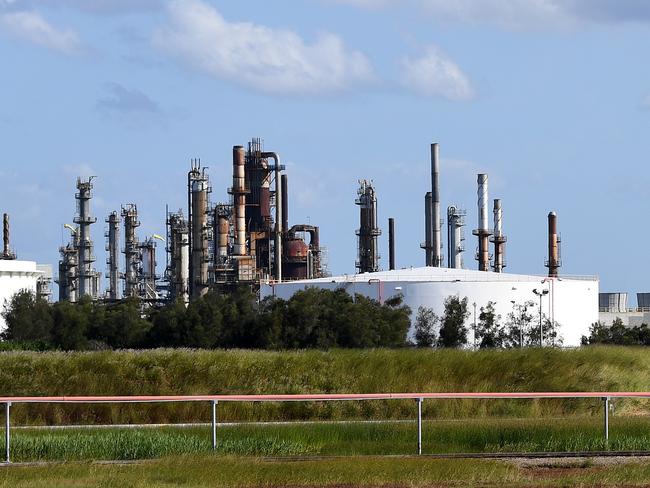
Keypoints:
pixel 178 248
pixel 499 240
pixel 239 199
pixel 368 254
pixel 113 249
pixel 198 189
pixel 483 232
pixel 554 260
pixel 436 242
pixel 87 276
pixel 6 250
pixel 391 243
pixel 455 237
pixel 428 229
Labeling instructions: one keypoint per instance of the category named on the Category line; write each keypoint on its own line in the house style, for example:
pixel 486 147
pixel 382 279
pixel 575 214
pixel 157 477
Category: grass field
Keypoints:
pixel 331 439
pixel 338 371
pixel 203 471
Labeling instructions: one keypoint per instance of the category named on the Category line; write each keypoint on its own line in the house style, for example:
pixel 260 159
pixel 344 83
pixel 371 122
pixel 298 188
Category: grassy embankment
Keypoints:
pixel 344 371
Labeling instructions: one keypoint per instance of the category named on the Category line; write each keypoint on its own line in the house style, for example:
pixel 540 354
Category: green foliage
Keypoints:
pixel 28 318
pixel 618 334
pixel 453 332
pixel 425 327
pixel 490 333
pixel 518 324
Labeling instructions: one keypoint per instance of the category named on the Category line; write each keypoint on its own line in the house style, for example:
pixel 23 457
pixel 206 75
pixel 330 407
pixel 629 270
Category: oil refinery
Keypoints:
pixel 249 240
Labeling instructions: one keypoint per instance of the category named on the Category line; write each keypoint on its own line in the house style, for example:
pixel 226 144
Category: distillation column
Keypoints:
pixel 179 257
pixel 239 199
pixel 6 250
pixel 455 237
pixel 554 261
pixel 368 260
pixel 131 250
pixel 87 276
pixel 428 229
pixel 391 243
pixel 113 249
pixel 436 241
pixel 499 240
pixel 483 232
pixel 199 253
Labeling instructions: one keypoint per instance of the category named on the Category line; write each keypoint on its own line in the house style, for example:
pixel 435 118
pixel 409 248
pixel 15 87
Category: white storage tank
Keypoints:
pixel 16 276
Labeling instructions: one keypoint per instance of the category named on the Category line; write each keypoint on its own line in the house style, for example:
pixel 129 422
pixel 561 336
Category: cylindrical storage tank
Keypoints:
pixel 296 253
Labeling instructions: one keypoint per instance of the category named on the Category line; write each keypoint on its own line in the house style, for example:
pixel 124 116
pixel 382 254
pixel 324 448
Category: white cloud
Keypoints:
pixel 266 59
pixel 32 27
pixel 435 75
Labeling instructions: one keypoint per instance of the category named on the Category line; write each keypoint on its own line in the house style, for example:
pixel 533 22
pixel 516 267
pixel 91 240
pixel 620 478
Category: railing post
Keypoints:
pixel 214 425
pixel 419 426
pixel 606 402
pixel 7 434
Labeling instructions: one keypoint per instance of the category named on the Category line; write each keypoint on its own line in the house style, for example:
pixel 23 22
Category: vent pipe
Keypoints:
pixel 278 213
pixel 498 239
pixel 428 229
pixel 554 261
pixel 6 252
pixel 436 242
pixel 483 232
pixel 391 243
pixel 285 202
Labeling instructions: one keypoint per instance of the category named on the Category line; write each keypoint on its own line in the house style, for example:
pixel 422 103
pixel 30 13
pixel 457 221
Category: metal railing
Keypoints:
pixel 215 399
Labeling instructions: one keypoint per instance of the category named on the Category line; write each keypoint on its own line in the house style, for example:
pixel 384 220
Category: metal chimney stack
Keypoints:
pixel 436 241
pixel 198 227
pixel 391 243
pixel 239 199
pixel 483 232
pixel 179 257
pixel 131 250
pixel 428 229
pixel 455 237
pixel 113 248
pixel 499 240
pixel 554 261
pixel 6 252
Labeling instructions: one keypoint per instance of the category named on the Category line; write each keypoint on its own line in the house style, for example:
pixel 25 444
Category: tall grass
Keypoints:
pixel 332 439
pixel 162 372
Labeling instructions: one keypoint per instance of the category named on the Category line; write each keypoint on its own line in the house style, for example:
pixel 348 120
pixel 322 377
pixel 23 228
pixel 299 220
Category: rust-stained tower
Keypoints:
pixel 113 248
pixel 131 250
pixel 368 256
pixel 88 278
pixel 483 232
pixel 239 199
pixel 6 250
pixel 499 240
pixel 198 189
pixel 554 261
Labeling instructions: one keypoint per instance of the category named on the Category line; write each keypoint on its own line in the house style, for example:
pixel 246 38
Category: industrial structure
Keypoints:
pixel 432 243
pixel 368 232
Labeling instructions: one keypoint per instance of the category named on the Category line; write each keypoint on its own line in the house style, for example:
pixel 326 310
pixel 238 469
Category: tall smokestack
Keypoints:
pixel 554 258
pixel 285 203
pixel 436 242
pixel 113 248
pixel 6 252
pixel 239 199
pixel 483 232
pixel 498 239
pixel 455 246
pixel 428 229
pixel 391 243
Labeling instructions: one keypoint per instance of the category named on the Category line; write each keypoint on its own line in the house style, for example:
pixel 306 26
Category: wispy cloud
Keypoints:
pixel 32 27
pixel 123 100
pixel 89 6
pixel 435 75
pixel 260 57
pixel 521 13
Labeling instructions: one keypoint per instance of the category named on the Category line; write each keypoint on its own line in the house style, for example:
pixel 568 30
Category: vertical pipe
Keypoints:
pixel 436 242
pixel 419 426
pixel 239 200
pixel 428 229
pixel 7 432
pixel 391 243
pixel 606 405
pixel 553 262
pixel 483 231
pixel 5 235
pixel 498 238
pixel 285 202
pixel 214 425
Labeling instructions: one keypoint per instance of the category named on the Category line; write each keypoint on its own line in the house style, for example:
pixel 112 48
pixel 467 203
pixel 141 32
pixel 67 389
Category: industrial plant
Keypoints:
pixel 248 241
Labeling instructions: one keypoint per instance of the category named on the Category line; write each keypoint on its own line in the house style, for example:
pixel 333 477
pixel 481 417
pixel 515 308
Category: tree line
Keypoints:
pixel 618 334
pixel 519 330
pixel 312 318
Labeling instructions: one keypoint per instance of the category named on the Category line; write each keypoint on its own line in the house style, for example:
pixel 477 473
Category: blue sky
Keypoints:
pixel 551 98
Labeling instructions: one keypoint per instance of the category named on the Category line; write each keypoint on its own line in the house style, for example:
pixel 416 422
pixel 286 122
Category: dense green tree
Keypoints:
pixel 70 325
pixel 28 319
pixel 453 332
pixel 617 333
pixel 518 325
pixel 425 327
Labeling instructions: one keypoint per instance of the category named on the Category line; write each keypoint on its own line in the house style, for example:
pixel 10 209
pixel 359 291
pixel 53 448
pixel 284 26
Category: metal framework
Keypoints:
pixel 215 399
